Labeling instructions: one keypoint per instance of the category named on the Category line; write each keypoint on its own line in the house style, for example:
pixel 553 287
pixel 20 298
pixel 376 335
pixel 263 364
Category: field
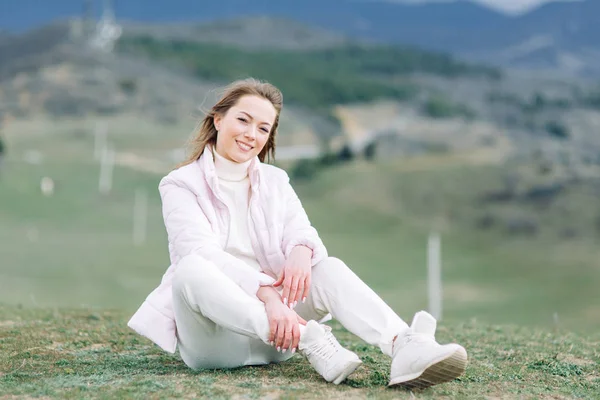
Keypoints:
pixel 525 307
pixel 82 353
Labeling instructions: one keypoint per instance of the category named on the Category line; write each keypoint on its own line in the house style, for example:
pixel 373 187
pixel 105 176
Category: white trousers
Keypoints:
pixel 221 326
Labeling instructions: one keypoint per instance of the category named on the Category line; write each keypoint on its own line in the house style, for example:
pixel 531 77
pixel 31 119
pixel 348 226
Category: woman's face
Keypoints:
pixel 245 128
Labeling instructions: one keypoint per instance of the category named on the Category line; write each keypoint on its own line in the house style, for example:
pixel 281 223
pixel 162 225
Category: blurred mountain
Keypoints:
pixel 253 32
pixel 563 36
pixel 334 85
pixel 330 68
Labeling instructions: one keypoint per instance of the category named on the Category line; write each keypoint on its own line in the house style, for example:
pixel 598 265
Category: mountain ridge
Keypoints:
pixel 461 28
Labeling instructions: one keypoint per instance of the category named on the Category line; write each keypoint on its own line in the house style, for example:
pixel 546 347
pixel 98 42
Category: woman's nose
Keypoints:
pixel 250 132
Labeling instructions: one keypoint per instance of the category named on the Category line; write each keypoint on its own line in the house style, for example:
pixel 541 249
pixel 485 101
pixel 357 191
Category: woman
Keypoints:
pixel 250 281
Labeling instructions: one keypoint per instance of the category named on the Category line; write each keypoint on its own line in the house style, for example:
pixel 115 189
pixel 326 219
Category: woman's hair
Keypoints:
pixel 206 132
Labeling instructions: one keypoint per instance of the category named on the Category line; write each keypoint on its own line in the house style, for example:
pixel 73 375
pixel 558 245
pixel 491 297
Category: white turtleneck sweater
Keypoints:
pixel 234 184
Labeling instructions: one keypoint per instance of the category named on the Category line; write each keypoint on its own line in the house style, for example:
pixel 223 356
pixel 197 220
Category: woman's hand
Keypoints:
pixel 296 276
pixel 284 330
pixel 284 326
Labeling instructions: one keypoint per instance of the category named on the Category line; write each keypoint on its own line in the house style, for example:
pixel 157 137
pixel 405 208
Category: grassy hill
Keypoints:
pixel 76 248
pixel 314 78
pixel 526 307
pixel 90 353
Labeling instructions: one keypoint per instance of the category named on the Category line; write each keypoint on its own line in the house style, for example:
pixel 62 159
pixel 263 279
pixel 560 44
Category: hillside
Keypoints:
pixel 536 112
pixel 164 72
pixel 342 74
pixel 566 32
pixel 52 72
pixel 507 167
pixel 90 353
pixel 518 246
pixel 253 32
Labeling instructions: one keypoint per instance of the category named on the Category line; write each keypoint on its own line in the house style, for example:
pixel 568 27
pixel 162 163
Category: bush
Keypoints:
pixel 558 130
pixel 591 100
pixel 307 168
pixel 440 107
pixel 128 86
pixel 345 154
pixel 370 151
pixel 304 170
pixel 522 226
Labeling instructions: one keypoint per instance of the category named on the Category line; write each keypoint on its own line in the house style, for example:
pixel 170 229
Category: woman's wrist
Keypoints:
pixel 268 294
pixel 303 250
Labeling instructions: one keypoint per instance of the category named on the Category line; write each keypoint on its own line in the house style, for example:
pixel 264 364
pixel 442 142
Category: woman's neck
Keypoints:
pixel 230 170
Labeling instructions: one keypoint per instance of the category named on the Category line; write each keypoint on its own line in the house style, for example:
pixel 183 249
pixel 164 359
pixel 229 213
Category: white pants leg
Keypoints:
pixel 218 324
pixel 337 290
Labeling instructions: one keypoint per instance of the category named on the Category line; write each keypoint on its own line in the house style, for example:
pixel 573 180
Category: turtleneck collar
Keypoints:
pixel 230 170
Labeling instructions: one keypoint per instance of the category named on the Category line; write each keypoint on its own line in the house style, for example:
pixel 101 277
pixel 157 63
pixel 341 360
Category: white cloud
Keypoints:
pixel 508 6
pixel 514 6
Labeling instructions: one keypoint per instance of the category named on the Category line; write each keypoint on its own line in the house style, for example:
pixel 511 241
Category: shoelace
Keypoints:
pixel 413 337
pixel 326 347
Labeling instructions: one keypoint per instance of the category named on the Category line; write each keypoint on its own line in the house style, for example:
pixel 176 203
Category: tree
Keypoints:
pixel 558 130
pixel 345 154
pixel 370 151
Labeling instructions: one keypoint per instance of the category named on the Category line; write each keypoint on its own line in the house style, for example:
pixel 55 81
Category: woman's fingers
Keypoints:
pixel 287 341
pixel 287 284
pixel 279 281
pixel 295 337
pixel 280 337
pixel 293 291
pixel 300 291
pixel 306 288
pixel 272 331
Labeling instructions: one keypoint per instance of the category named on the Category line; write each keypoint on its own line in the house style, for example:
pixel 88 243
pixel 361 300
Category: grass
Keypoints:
pixel 87 353
pixel 75 248
pixel 66 260
pixel 337 75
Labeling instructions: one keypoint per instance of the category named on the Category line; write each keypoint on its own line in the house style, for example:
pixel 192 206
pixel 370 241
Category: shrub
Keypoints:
pixel 304 170
pixel 557 130
pixel 440 107
pixel 128 86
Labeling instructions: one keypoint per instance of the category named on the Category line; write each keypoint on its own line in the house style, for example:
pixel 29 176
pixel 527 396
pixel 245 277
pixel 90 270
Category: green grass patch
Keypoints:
pixel 339 75
pixel 90 353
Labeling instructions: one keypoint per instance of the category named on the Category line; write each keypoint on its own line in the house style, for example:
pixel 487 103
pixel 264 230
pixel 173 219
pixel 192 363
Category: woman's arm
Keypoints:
pixel 302 248
pixel 284 330
pixel 190 233
pixel 268 295
pixel 297 229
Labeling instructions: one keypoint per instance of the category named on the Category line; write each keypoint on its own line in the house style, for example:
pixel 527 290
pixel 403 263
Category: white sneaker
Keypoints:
pixel 325 354
pixel 419 361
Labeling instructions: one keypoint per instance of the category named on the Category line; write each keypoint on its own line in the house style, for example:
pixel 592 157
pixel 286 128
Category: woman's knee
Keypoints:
pixel 189 268
pixel 330 267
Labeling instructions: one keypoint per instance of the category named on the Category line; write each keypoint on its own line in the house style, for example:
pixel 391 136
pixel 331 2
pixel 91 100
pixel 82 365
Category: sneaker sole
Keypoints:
pixel 442 371
pixel 347 371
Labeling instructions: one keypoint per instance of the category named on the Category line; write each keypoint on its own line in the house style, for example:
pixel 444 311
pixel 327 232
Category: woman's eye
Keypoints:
pixel 242 119
pixel 265 130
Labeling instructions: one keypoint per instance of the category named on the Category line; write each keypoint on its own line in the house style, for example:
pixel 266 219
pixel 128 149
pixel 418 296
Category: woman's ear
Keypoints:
pixel 217 122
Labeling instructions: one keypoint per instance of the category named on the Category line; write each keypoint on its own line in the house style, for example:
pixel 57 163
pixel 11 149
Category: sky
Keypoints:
pixel 508 6
pixel 23 14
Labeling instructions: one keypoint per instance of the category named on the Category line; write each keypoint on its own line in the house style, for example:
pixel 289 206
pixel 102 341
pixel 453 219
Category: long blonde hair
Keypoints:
pixel 206 131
